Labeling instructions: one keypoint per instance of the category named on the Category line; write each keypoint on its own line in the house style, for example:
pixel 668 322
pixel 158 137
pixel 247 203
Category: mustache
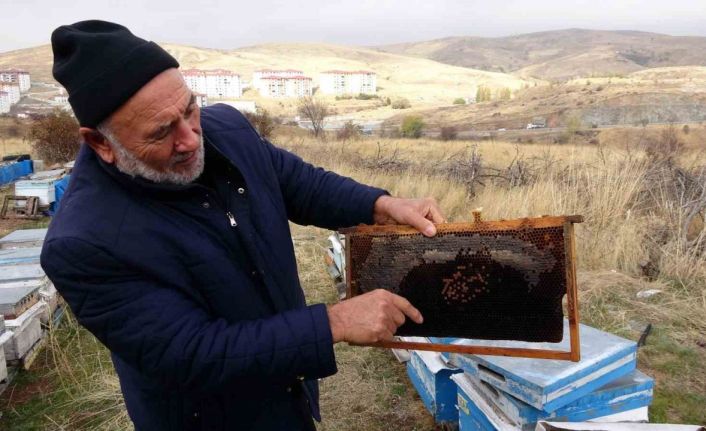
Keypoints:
pixel 184 156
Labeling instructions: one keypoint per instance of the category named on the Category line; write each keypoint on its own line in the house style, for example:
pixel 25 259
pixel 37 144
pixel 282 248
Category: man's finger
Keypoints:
pixel 435 213
pixel 420 223
pixel 397 316
pixel 407 308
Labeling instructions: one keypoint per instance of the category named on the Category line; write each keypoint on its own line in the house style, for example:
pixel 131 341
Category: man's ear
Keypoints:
pixel 98 143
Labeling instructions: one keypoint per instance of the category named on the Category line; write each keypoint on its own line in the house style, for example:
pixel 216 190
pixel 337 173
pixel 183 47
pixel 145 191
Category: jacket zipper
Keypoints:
pixel 231 218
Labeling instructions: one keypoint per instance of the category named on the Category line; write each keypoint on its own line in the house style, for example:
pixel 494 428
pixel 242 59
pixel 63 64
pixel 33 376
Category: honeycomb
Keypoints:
pixel 472 281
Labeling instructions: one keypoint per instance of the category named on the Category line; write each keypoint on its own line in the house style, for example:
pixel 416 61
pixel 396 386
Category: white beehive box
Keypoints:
pixel 43 189
pixel 22 256
pixel 21 272
pixel 26 332
pixel 5 337
pixel 44 287
pixel 23 238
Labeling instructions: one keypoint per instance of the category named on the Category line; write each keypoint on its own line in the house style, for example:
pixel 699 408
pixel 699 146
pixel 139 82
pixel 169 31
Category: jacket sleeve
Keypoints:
pixel 163 333
pixel 319 197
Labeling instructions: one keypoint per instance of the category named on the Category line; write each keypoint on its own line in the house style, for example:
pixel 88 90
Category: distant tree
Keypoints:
pixel 55 137
pixel 573 125
pixel 412 127
pixel 400 103
pixel 685 129
pixel 504 94
pixel 315 111
pixel 262 121
pixel 448 133
pixel 459 101
pixel 483 94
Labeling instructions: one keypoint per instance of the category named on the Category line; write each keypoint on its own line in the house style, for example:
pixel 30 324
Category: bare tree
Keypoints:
pixel 315 111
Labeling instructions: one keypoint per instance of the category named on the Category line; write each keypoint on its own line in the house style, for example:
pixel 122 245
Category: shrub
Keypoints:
pixel 364 96
pixel 350 130
pixel 401 103
pixel 448 133
pixel 55 137
pixel 459 101
pixel 685 129
pixel 263 122
pixel 412 127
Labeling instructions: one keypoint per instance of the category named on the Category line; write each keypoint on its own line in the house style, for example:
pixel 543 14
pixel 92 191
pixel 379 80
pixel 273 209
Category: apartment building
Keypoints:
pixel 282 83
pixel 340 82
pixel 4 102
pixel 13 90
pixel 20 77
pixel 218 83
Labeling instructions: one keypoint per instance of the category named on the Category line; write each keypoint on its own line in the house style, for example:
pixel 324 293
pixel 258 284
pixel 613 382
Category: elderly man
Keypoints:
pixel 172 246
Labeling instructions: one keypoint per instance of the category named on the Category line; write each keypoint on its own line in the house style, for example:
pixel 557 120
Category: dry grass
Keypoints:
pixel 634 238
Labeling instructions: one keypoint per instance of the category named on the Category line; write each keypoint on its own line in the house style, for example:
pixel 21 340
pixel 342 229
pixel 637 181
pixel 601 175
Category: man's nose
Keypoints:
pixel 188 137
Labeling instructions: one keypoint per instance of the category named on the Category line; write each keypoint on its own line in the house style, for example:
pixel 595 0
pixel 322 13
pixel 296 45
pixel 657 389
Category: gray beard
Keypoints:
pixel 127 163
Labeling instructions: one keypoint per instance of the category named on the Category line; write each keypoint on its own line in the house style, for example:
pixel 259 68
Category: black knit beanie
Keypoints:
pixel 101 65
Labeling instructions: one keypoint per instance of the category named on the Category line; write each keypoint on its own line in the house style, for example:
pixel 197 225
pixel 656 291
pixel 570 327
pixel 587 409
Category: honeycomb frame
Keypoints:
pixel 529 227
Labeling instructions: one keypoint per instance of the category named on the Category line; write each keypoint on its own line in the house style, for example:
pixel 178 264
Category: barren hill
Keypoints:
pixel 660 95
pixel 422 81
pixel 563 54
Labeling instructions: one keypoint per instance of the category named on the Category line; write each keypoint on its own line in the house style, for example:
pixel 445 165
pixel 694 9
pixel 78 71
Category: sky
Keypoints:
pixel 234 23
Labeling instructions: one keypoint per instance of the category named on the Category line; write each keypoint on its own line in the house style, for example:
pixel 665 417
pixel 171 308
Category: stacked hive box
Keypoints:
pixel 504 393
pixel 27 297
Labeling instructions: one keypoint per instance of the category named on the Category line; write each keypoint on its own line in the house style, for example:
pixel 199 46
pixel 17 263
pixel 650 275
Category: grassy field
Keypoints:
pixel 644 229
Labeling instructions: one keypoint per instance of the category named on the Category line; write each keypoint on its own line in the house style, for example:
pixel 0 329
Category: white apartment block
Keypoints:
pixel 280 86
pixel 339 82
pixel 219 83
pixel 20 77
pixel 13 89
pixel 260 80
pixel 201 100
pixel 4 102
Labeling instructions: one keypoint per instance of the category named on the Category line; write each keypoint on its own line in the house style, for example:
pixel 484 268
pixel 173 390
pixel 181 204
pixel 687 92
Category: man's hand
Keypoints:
pixel 370 317
pixel 418 213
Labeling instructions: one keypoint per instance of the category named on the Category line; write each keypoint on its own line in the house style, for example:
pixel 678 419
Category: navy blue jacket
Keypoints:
pixel 206 322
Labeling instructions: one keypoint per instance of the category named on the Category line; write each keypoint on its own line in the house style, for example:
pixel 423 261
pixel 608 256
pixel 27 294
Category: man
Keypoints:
pixel 172 246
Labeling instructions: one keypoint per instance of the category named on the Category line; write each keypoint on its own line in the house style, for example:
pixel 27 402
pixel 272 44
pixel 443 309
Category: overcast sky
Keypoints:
pixel 232 24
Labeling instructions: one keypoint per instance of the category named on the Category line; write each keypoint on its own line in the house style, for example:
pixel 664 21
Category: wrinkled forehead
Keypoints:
pixel 159 101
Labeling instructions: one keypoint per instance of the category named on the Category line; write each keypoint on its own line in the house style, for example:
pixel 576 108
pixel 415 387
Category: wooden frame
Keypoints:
pixel 573 354
pixel 11 210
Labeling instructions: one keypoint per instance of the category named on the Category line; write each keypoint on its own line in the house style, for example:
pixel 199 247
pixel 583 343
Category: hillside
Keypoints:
pixel 424 82
pixel 562 54
pixel 660 95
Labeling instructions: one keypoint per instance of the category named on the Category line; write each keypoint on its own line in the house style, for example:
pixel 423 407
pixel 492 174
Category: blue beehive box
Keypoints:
pixel 476 412
pixel 20 256
pixel 431 376
pixel 627 393
pixel 548 384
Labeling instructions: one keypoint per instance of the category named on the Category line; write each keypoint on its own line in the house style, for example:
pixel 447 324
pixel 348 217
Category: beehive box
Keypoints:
pixel 45 290
pixel 625 394
pixel 16 299
pixel 43 189
pixel 26 332
pixel 5 337
pixel 23 238
pixel 477 413
pixel 550 384
pixel 430 376
pixel 483 280
pixel 21 272
pixel 17 256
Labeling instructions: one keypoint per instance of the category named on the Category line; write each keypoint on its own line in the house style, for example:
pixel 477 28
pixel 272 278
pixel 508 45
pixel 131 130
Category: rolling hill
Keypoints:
pixel 422 81
pixel 562 54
